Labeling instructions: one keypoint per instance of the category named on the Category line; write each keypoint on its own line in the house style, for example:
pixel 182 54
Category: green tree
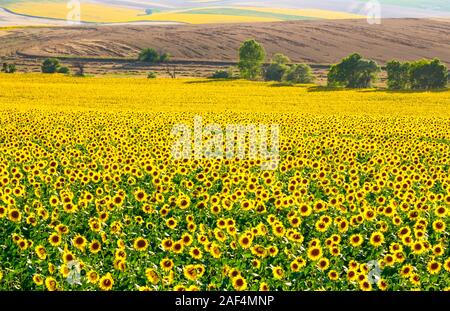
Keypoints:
pixel 299 73
pixel 353 72
pixel 63 69
pixel 164 57
pixel 251 58
pixel 8 68
pixel 50 65
pixel 277 68
pixel 428 74
pixel 398 76
pixel 149 55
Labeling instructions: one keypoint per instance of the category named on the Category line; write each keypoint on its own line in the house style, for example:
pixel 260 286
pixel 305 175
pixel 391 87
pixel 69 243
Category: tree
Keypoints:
pixel 353 72
pixel 277 69
pixel 151 75
pixel 398 75
pixel 149 55
pixel 80 67
pixel 251 58
pixel 164 57
pixel 148 11
pixel 8 68
pixel 428 74
pixel 50 65
pixel 222 74
pixel 299 73
pixel 63 69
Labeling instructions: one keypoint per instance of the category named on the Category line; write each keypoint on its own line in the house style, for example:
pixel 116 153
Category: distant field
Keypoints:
pixel 102 13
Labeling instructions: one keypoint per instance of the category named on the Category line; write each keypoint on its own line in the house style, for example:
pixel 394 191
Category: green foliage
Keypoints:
pixel 275 72
pixel 280 59
pixel 151 75
pixel 299 73
pixel 8 68
pixel 251 58
pixel 222 74
pixel 428 74
pixel 398 75
pixel 278 68
pixel 50 65
pixel 353 72
pixel 63 69
pixel 164 57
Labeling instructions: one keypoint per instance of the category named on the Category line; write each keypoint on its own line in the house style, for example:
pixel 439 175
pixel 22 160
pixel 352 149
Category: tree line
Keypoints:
pixel 353 71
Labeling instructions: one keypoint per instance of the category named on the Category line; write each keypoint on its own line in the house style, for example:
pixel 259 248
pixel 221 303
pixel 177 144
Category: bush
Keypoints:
pixel 353 72
pixel 428 74
pixel 149 55
pixel 164 57
pixel 251 58
pixel 398 75
pixel 277 69
pixel 275 72
pixel 63 69
pixel 151 75
pixel 8 68
pixel 50 65
pixel 300 73
pixel 222 74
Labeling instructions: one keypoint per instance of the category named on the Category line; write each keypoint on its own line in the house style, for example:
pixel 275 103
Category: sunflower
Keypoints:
pixel 264 287
pixel 41 252
pixel 315 253
pixel 447 265
pixel 433 267
pixel 376 239
pixel 95 247
pixel 356 240
pixel 171 223
pixel 333 275
pixel 92 277
pixel 439 225
pixel 239 283
pixel 51 284
pixel 365 286
pixel 140 244
pixel 37 279
pixel 244 241
pixel 323 263
pixel 382 284
pixel 152 275
pixel 15 215
pixel 166 264
pixel 178 247
pixel 277 272
pixel 195 253
pixel 79 242
pixel 106 282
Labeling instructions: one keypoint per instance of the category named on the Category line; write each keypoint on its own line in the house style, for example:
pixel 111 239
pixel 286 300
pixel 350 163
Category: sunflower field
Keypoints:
pixel 87 180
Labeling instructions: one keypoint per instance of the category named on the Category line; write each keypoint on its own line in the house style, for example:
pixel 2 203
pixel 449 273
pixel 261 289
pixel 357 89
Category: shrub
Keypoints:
pixel 251 58
pixel 63 69
pixel 151 75
pixel 278 68
pixel 428 74
pixel 299 73
pixel 353 72
pixel 50 65
pixel 164 57
pixel 222 74
pixel 398 75
pixel 8 68
pixel 149 55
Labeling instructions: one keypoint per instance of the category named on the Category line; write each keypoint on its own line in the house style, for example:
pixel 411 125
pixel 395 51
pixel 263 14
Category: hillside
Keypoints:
pixel 314 42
